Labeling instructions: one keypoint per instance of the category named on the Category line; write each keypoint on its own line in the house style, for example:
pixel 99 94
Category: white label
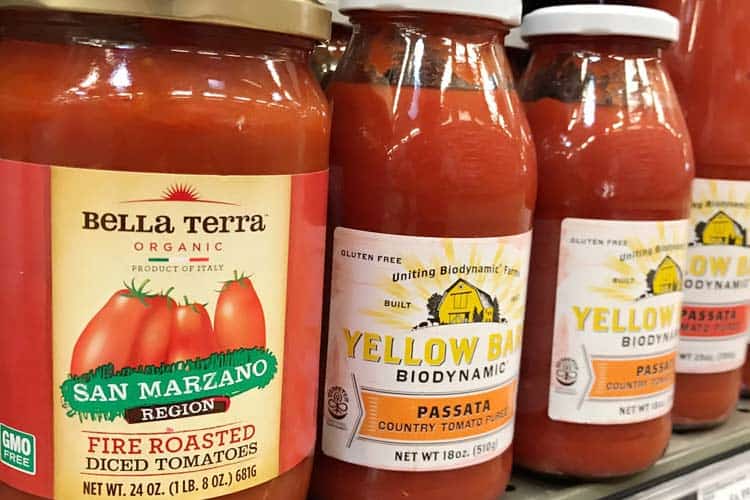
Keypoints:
pixel 424 348
pixel 617 320
pixel 717 280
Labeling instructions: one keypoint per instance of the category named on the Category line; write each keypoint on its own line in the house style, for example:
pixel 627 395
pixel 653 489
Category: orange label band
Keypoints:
pixel 625 378
pixel 407 418
pixel 717 321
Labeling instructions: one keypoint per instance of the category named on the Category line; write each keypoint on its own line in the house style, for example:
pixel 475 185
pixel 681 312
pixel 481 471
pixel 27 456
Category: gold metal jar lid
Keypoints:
pixel 305 18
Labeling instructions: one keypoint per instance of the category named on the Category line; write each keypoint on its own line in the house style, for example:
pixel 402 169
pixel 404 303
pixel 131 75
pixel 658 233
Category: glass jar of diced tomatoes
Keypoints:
pixel 163 170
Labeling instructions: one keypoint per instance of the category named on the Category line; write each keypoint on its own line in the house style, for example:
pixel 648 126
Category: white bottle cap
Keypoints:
pixel 338 17
pixel 601 20
pixel 507 11
pixel 514 40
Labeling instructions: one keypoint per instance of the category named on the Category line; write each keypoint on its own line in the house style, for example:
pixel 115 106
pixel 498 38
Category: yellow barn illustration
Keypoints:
pixel 667 277
pixel 723 230
pixel 462 302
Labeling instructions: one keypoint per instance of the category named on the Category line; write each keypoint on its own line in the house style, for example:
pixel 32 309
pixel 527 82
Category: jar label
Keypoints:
pixel 424 346
pixel 617 320
pixel 168 309
pixel 717 282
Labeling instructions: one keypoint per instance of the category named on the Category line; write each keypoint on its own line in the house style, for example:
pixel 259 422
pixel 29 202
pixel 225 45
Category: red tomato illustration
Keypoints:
pixel 152 345
pixel 239 320
pixel 111 334
pixel 192 335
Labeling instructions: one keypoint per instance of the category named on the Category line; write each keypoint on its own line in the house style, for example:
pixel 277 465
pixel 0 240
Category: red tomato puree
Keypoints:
pixel 128 94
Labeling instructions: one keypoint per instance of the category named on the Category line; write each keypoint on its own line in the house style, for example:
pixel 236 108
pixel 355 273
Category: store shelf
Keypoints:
pixel 687 452
pixel 727 479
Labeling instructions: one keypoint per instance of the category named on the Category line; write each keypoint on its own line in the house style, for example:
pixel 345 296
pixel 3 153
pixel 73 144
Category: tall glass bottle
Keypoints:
pixel 434 182
pixel 610 241
pixel 710 67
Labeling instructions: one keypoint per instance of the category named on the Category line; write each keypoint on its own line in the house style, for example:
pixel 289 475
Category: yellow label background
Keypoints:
pixel 89 266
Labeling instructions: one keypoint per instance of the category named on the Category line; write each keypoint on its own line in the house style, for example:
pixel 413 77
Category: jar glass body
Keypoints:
pixel 709 66
pixel 327 55
pixel 606 123
pixel 125 94
pixel 427 129
pixel 519 59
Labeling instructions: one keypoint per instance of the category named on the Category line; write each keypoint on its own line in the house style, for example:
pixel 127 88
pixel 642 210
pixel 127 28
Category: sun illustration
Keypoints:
pixel 652 272
pixel 509 291
pixel 180 192
pixel 712 216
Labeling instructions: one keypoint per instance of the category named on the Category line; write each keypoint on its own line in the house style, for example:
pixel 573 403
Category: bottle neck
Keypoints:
pixel 426 50
pixel 618 46
pixel 340 33
pixel 608 71
pixel 427 24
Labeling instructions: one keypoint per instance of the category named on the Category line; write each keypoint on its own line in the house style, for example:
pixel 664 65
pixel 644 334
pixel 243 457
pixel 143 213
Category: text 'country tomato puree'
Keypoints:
pixel 433 187
pixel 164 172
pixel 710 67
pixel 610 241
